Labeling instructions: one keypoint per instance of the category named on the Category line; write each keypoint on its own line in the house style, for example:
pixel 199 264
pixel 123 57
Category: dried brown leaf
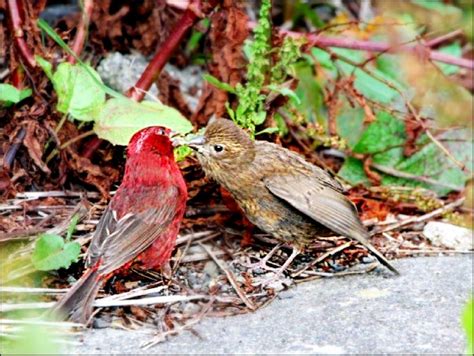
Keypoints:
pixel 35 134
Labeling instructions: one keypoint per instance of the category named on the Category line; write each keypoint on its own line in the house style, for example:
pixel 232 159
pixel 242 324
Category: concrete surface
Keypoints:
pixel 418 312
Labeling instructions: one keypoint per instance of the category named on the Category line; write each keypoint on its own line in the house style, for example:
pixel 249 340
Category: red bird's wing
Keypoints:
pixel 119 240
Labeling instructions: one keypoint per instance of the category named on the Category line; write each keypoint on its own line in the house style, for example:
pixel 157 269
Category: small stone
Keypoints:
pixel 101 323
pixel 191 309
pixel 211 269
pixel 448 235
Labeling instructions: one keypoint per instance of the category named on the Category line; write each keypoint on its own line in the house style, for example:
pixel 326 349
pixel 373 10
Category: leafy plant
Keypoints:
pixel 10 95
pixel 262 74
pixel 52 252
pixel 82 95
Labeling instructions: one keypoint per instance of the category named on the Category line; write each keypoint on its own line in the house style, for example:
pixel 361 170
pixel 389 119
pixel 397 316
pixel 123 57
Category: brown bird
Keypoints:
pixel 278 190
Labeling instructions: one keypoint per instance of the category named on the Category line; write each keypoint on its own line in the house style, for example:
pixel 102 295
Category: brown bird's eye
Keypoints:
pixel 218 148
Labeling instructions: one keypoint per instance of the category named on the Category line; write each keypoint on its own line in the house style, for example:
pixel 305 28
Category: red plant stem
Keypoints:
pixel 17 30
pixel 82 30
pixel 17 77
pixel 91 146
pixel 153 70
pixel 322 41
pixel 443 38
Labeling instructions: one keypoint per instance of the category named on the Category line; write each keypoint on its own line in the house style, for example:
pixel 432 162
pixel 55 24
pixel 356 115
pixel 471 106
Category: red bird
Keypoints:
pixel 139 225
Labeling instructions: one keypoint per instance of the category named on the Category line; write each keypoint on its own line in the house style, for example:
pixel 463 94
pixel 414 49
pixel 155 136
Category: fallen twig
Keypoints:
pixel 230 277
pixel 162 337
pixel 321 258
pixel 425 217
pixel 104 302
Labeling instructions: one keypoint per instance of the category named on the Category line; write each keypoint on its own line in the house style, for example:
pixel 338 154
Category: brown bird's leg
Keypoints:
pixel 263 262
pixel 280 270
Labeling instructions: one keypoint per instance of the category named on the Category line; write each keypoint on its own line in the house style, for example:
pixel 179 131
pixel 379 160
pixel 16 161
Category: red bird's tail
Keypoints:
pixel 78 302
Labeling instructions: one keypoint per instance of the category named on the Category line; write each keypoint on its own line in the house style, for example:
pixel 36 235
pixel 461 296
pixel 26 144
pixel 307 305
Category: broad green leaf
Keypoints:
pixel 386 132
pixel 78 93
pixel 120 119
pixel 217 83
pixel 353 172
pixel 389 64
pixel 323 58
pixel 51 253
pixel 309 92
pixel 368 85
pixel 10 95
pixel 428 162
pixel 350 123
pixel 79 89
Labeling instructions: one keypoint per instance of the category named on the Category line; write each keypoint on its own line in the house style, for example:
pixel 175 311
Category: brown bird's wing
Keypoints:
pixel 297 162
pixel 118 241
pixel 324 205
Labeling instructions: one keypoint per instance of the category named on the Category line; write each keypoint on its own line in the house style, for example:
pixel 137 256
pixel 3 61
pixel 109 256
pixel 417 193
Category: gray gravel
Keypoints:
pixel 418 312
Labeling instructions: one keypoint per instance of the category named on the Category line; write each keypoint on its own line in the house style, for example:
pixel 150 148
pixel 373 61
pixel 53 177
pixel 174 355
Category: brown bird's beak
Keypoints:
pixel 196 143
pixel 175 139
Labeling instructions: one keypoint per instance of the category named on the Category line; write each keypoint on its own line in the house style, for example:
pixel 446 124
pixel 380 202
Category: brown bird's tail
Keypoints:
pixel 78 302
pixel 363 239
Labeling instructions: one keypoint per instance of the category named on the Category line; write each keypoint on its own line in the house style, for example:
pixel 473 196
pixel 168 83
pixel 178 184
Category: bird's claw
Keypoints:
pixel 262 264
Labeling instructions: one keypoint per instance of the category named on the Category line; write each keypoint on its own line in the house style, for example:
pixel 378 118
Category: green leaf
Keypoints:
pixel 72 227
pixel 428 162
pixel 51 253
pixel 268 130
pixel 285 92
pixel 455 50
pixel 10 95
pixel 309 92
pixel 368 85
pixel 78 93
pixel 51 33
pixel 259 117
pixel 46 66
pixel 353 172
pixel 468 324
pixel 350 122
pixel 217 83
pixel 120 119
pixel 181 152
pixel 386 132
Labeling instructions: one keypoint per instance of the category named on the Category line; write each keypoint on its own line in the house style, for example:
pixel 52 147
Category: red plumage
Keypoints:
pixel 140 224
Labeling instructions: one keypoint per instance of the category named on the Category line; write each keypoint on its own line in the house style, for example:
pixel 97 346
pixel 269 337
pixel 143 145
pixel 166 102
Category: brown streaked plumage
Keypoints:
pixel 278 190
